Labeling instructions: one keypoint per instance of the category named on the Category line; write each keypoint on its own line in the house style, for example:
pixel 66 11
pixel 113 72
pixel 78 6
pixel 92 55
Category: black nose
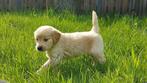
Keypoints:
pixel 40 48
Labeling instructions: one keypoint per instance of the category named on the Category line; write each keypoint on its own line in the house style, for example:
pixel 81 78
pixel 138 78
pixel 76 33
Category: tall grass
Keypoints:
pixel 125 39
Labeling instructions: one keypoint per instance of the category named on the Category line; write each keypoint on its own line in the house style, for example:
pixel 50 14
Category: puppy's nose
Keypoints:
pixel 40 48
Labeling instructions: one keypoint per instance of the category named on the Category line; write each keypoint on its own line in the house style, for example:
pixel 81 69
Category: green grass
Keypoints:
pixel 125 39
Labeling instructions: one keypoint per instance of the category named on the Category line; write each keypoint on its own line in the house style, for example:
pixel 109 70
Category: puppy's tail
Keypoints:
pixel 95 27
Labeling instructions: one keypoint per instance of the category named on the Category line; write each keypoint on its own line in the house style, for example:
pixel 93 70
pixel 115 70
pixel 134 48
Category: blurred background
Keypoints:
pixel 135 7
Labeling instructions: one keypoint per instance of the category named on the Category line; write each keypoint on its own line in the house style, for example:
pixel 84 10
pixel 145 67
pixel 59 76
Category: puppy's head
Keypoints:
pixel 46 37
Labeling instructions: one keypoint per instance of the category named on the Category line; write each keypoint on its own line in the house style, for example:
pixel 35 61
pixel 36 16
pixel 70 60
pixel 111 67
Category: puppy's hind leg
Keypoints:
pixel 97 50
pixel 99 55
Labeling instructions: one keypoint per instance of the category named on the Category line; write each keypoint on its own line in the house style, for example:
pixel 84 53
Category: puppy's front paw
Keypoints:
pixel 41 70
pixel 38 71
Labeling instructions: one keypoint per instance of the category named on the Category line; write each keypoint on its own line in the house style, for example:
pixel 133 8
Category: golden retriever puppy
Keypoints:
pixel 60 45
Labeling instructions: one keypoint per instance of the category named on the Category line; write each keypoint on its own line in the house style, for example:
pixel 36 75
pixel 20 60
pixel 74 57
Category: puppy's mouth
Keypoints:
pixel 41 50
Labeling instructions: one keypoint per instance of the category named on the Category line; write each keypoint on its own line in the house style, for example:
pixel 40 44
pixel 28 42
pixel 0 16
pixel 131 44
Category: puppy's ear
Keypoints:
pixel 55 36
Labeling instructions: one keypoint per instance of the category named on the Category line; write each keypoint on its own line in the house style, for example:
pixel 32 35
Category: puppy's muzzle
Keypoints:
pixel 39 48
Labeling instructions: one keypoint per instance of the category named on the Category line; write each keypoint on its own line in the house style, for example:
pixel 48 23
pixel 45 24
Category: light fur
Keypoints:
pixel 62 45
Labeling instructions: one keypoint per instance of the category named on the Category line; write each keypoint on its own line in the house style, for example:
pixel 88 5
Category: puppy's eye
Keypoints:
pixel 45 40
pixel 37 39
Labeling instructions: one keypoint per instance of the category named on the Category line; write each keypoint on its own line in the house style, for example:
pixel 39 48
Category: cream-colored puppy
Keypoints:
pixel 60 45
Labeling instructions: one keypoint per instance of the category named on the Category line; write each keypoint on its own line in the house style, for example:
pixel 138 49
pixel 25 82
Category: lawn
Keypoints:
pixel 125 39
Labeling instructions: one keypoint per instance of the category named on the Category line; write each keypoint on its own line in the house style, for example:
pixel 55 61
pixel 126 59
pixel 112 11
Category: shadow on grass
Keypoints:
pixel 82 68
pixel 77 69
